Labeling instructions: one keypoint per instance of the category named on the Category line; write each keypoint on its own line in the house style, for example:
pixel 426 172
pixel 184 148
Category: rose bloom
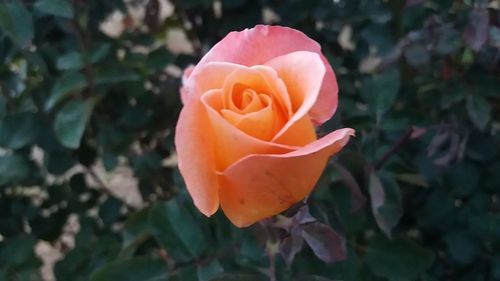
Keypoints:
pixel 246 136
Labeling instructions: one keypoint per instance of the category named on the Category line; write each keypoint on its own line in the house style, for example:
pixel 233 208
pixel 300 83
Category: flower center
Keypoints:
pixel 244 99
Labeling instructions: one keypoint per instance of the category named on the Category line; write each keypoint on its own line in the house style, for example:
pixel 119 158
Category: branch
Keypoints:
pixel 395 147
pixel 85 44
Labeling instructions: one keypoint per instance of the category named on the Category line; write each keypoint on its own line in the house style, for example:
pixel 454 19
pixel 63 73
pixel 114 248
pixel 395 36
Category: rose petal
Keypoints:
pixel 261 79
pixel 262 43
pixel 259 185
pixel 302 72
pixel 185 75
pixel 232 144
pixel 260 124
pixel 212 76
pixel 193 141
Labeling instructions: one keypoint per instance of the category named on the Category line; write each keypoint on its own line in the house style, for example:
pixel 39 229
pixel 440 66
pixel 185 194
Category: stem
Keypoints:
pixel 395 147
pixel 272 266
pixel 84 41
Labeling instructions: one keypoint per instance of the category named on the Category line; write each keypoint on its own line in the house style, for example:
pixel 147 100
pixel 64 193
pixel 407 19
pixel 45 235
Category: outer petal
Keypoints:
pixel 210 76
pixel 259 186
pixel 194 143
pixel 262 43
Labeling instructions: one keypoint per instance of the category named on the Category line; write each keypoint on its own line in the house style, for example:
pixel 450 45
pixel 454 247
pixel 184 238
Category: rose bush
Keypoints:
pixel 246 136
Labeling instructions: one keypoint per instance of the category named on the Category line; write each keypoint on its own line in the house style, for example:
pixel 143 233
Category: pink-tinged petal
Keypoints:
pixel 232 144
pixel 185 75
pixel 259 185
pixel 302 73
pixel 210 76
pixel 194 145
pixel 262 43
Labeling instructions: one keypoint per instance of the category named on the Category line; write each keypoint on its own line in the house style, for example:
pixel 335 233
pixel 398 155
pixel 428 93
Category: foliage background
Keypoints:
pixel 89 99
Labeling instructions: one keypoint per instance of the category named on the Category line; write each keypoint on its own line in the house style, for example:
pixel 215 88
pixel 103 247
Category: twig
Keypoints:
pixel 395 147
pixel 85 44
pixel 272 266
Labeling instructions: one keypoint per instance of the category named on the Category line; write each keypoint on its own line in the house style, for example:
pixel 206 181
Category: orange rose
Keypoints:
pixel 245 137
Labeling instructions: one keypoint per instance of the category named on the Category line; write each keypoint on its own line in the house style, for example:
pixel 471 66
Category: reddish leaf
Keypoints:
pixel 476 32
pixel 386 202
pixel 326 244
pixel 357 197
pixel 290 246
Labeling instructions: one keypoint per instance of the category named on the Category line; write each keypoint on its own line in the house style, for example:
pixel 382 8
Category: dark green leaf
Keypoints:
pixel 115 75
pixel 380 90
pixel 16 22
pixel 61 8
pixel 65 85
pixel 18 250
pixel 177 231
pixel 18 130
pixel 209 271
pixel 238 277
pixel 14 169
pixel 314 278
pixel 397 259
pixel 70 61
pixel 417 55
pixel 479 111
pixel 495 266
pixel 71 121
pixel 463 179
pixel 462 247
pixel 139 268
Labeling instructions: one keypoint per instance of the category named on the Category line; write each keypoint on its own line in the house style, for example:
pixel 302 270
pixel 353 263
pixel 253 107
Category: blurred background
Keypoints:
pixel 89 188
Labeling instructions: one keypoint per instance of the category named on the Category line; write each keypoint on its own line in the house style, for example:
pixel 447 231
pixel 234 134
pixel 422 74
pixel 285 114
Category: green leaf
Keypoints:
pixel 462 247
pixel 177 231
pixel 3 107
pixel 71 121
pixel 61 8
pixel 159 59
pixel 14 169
pixel 135 269
pixel 238 277
pixel 99 52
pixel 18 130
pixel 17 23
pixel 314 278
pixel 397 259
pixel 495 267
pixel 115 75
pixel 417 55
pixel 380 90
pixel 65 85
pixel 70 61
pixel 208 271
pixel 463 178
pixel 110 210
pixel 18 250
pixel 479 111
